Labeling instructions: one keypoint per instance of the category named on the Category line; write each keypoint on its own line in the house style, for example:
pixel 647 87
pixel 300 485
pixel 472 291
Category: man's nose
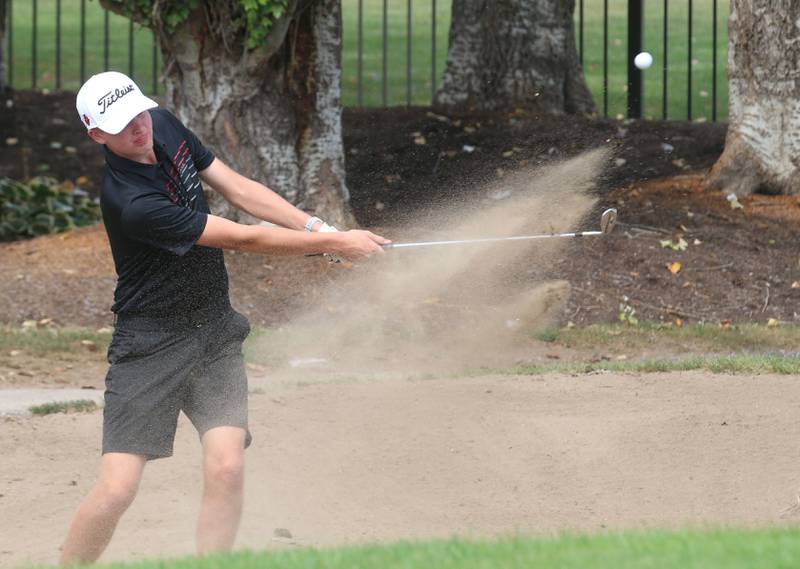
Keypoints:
pixel 138 124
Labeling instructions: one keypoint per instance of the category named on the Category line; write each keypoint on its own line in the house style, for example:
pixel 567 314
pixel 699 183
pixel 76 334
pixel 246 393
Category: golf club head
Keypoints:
pixel 608 220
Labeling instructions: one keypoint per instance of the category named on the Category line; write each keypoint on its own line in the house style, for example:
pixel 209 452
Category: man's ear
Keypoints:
pixel 97 135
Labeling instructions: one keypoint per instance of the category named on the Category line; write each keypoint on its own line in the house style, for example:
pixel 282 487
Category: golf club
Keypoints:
pixel 607 222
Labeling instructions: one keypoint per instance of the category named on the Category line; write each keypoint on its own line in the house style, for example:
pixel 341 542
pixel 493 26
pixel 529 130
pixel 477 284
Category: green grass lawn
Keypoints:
pixel 746 348
pixel 389 84
pixel 709 549
pixel 44 341
pixel 21 64
pixel 677 57
pixel 707 338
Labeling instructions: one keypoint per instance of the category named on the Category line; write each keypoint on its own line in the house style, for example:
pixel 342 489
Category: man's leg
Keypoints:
pixel 97 517
pixel 223 468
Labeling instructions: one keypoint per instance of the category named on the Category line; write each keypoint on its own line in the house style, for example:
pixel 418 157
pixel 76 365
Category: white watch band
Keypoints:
pixel 311 221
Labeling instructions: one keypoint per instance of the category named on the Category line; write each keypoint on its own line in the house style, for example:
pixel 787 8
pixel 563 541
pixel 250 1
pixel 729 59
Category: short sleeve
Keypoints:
pixel 155 220
pixel 201 155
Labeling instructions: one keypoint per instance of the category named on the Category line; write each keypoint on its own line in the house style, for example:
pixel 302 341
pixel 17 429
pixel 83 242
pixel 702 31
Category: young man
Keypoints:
pixel 177 341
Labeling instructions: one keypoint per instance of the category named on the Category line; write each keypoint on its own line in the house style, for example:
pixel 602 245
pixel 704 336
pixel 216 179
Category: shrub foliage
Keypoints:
pixel 42 206
pixel 235 21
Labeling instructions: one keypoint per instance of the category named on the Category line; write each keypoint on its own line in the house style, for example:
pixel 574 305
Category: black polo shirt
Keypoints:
pixel 154 215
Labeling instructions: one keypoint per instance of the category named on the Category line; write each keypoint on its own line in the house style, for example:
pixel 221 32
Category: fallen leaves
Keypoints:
pixel 680 245
pixel 674 267
pixel 41 323
pixel 440 118
pixel 734 201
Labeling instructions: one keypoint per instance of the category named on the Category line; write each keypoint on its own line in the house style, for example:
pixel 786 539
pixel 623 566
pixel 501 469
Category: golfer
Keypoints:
pixel 177 341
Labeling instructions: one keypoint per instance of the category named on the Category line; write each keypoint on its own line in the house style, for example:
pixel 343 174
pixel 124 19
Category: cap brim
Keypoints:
pixel 119 121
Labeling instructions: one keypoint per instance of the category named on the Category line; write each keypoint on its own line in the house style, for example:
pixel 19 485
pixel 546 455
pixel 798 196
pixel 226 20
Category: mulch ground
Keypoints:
pixel 738 265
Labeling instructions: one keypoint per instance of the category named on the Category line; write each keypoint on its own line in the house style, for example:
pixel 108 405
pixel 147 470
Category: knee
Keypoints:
pixel 116 496
pixel 226 472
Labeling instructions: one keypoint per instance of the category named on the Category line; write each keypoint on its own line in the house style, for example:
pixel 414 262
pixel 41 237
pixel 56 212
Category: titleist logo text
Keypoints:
pixel 112 97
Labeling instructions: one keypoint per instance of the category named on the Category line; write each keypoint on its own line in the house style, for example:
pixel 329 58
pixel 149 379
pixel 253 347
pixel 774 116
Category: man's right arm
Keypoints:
pixel 225 234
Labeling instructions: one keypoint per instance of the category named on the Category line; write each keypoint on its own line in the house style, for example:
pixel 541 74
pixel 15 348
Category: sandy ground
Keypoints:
pixel 346 461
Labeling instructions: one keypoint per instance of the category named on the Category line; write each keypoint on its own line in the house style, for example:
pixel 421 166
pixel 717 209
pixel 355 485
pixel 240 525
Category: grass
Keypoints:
pixel 687 549
pixel 425 56
pixel 742 363
pixel 619 338
pixel 746 348
pixel 677 57
pixel 95 54
pixel 79 406
pixel 42 341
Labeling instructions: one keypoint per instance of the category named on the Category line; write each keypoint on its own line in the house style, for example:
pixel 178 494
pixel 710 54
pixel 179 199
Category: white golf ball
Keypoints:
pixel 643 60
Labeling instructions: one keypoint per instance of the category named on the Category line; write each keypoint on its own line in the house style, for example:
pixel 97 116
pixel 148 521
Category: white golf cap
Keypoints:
pixel 109 101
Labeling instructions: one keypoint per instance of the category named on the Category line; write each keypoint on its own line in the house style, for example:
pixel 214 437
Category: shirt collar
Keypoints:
pixel 149 171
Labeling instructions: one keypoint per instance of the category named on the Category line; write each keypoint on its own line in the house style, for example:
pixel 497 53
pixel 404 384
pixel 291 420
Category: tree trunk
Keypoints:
pixel 762 148
pixel 272 113
pixel 514 53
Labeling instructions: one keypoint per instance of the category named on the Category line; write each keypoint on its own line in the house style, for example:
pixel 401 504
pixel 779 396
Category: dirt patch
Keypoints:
pixel 390 459
pixel 81 369
pixel 739 264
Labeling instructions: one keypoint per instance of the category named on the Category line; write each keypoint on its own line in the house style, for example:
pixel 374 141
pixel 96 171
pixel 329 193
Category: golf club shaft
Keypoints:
pixel 491 240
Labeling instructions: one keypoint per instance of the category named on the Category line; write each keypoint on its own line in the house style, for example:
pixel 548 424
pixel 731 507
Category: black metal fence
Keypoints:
pixel 35 60
pixel 394 51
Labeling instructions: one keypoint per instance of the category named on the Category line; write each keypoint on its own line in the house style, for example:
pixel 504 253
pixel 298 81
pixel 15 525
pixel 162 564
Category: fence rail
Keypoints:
pixel 394 50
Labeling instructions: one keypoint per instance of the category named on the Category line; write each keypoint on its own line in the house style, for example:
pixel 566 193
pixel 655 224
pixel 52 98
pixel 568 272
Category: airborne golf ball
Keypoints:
pixel 643 60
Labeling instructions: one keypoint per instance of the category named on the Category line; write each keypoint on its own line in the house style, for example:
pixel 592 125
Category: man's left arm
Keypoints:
pixel 254 198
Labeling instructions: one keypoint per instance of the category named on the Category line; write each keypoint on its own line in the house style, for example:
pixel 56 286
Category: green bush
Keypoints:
pixel 42 206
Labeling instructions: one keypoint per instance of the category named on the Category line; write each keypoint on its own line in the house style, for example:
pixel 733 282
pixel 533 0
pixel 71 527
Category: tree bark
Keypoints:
pixel 513 53
pixel 762 148
pixel 274 113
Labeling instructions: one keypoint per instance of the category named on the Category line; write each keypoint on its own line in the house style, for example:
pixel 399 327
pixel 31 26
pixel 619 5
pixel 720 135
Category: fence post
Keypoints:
pixel 58 45
pixel 384 71
pixel 105 39
pixel 34 26
pixel 3 34
pixel 130 49
pixel 360 56
pixel 714 63
pixel 664 68
pixel 580 30
pixel 433 52
pixel 408 54
pixel 83 42
pixel 689 66
pixel 634 48
pixel 605 58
